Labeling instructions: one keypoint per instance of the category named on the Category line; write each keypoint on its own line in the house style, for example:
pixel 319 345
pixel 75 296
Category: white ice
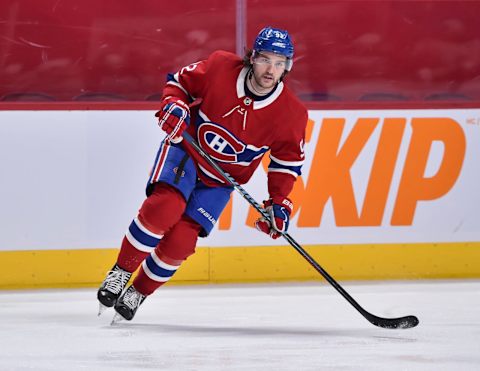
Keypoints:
pixel 246 327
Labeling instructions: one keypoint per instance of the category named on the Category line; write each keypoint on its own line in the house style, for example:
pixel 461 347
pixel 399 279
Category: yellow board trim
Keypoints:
pixel 87 268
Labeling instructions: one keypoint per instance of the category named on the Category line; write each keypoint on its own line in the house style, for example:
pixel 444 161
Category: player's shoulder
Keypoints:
pixel 293 103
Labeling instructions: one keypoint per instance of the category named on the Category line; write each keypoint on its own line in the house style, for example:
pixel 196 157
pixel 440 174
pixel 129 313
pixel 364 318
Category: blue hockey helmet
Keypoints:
pixel 276 41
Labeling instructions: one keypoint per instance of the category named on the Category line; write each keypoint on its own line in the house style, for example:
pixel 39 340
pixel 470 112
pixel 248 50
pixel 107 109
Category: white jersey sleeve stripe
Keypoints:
pixel 286 163
pixel 285 171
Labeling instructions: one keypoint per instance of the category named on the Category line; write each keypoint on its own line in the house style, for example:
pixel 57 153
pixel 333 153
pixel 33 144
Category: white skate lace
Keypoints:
pixel 116 280
pixel 132 298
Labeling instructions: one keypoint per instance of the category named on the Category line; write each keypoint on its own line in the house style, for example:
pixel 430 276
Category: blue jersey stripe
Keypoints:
pixel 295 169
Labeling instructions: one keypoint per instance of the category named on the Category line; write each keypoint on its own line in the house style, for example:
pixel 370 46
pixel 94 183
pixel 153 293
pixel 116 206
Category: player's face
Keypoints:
pixel 268 68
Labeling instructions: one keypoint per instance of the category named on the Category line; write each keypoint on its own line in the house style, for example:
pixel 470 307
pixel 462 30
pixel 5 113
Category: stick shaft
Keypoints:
pixel 404 322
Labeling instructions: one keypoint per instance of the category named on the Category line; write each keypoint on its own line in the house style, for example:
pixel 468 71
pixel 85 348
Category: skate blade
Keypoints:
pixel 101 308
pixel 116 319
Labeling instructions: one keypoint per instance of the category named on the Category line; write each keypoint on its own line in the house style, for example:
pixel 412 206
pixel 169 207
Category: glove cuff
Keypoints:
pixel 283 201
pixel 172 99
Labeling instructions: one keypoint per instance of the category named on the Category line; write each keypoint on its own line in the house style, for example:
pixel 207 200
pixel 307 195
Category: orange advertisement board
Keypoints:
pixel 381 176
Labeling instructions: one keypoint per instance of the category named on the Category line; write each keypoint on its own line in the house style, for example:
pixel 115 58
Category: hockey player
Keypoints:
pixel 237 110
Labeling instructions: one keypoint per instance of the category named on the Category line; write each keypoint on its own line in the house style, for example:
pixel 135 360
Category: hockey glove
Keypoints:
pixel 174 118
pixel 279 211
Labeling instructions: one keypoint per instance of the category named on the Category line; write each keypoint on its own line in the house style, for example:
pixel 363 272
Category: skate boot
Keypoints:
pixel 127 305
pixel 112 287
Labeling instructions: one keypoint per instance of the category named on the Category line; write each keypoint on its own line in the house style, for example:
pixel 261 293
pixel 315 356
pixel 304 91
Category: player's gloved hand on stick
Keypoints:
pixel 173 118
pixel 279 210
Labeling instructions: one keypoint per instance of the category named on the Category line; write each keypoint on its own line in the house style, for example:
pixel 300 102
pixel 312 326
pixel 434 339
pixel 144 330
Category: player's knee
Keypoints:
pixel 162 209
pixel 180 242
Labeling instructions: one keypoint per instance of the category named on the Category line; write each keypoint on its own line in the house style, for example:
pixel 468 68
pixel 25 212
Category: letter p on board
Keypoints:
pixel 414 186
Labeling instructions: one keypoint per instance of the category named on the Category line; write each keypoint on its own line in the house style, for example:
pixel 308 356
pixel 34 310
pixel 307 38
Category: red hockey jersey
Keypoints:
pixel 236 130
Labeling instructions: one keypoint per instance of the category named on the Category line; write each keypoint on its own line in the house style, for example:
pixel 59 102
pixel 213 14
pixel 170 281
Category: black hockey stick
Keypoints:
pixel 391 323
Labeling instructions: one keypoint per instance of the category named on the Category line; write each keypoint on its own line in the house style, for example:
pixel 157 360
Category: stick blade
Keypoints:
pixel 394 323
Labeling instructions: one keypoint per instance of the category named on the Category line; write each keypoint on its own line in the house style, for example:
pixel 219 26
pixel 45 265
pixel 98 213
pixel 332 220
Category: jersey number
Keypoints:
pixel 189 68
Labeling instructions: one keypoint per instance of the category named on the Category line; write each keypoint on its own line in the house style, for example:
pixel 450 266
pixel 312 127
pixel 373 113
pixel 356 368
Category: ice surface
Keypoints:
pixel 246 327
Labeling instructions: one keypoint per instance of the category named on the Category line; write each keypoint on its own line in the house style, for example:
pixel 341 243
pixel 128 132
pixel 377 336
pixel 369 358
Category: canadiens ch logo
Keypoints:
pixel 219 142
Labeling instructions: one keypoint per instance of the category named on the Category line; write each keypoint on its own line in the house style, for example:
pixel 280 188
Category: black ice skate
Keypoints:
pixel 127 305
pixel 112 287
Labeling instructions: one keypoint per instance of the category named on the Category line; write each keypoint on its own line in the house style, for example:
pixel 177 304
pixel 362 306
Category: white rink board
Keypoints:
pixel 75 179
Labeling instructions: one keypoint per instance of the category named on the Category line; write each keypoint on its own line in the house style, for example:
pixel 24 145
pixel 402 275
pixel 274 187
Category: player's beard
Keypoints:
pixel 265 81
